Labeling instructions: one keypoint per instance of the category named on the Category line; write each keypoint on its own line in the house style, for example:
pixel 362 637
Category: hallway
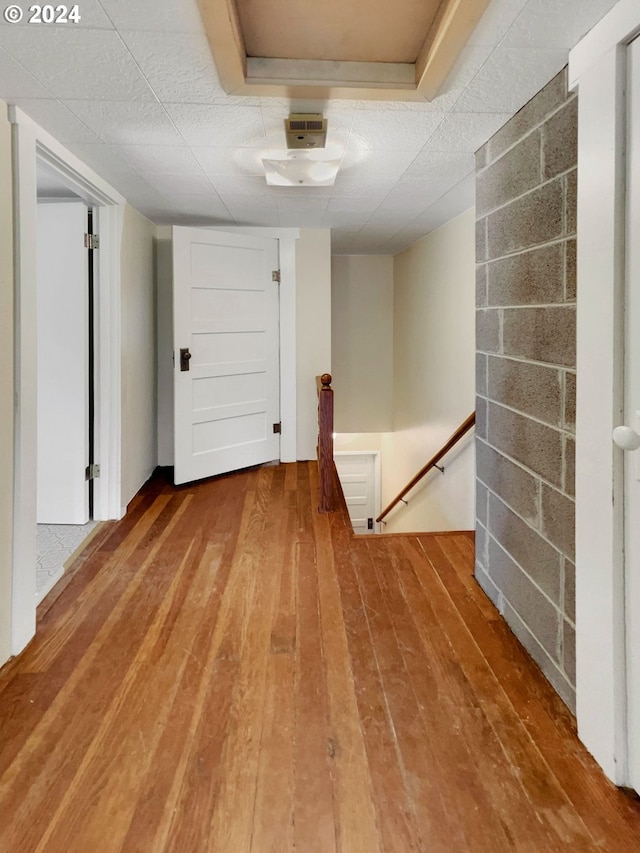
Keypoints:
pixel 231 671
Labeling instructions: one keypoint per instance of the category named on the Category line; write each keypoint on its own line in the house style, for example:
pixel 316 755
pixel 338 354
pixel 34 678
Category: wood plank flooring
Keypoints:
pixel 229 670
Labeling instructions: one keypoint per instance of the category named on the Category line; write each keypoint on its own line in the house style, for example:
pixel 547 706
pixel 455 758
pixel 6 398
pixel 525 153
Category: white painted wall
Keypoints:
pixel 313 330
pixel 139 415
pixel 357 441
pixel 434 378
pixel 6 384
pixel 362 342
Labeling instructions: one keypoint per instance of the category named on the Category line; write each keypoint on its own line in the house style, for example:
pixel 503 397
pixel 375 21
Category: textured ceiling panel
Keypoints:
pixel 143 106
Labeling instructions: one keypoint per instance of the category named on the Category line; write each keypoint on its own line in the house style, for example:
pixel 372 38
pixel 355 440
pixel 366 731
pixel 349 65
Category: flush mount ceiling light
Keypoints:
pixel 300 170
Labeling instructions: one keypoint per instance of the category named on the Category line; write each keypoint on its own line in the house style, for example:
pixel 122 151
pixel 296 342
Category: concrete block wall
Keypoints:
pixel 526 379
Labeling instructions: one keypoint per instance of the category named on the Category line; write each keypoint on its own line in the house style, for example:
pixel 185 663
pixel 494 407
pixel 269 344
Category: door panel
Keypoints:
pixel 63 364
pixel 356 472
pixel 632 419
pixel 226 311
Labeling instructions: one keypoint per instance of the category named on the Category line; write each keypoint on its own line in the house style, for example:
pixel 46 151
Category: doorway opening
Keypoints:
pixel 65 375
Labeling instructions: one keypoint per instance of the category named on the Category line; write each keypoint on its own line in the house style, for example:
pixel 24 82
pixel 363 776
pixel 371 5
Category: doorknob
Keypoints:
pixel 185 355
pixel 626 438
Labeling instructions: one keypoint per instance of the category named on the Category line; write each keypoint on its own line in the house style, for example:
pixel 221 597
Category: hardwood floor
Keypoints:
pixel 229 670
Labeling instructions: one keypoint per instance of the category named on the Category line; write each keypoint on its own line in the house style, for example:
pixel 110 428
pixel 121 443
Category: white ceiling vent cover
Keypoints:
pixel 306 130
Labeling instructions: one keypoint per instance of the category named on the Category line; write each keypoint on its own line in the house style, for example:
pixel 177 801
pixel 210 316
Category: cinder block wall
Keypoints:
pixel 526 379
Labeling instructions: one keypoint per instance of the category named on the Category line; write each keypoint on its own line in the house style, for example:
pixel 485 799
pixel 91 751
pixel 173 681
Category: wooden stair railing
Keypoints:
pixel 432 463
pixel 326 467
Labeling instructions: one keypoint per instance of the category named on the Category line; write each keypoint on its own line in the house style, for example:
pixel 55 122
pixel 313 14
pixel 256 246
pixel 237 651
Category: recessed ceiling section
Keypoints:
pixel 356 31
pixel 364 49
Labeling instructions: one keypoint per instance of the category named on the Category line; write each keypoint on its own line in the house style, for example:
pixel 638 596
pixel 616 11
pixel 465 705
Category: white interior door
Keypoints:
pixel 225 316
pixel 632 419
pixel 63 364
pixel 358 478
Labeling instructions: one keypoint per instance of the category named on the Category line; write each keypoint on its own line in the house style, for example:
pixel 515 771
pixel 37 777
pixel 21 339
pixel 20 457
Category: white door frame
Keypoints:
pixel 597 69
pixel 31 143
pixel 377 478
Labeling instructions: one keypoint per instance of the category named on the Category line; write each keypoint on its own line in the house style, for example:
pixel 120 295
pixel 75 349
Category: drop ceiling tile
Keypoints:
pixel 178 66
pixel 465 132
pixel 467 66
pixel 264 213
pixel 339 219
pixel 175 185
pixel 92 16
pixel 383 132
pixel 17 82
pixel 495 22
pixel 452 203
pixel 230 161
pixel 313 217
pixel 510 78
pixel 219 126
pixel 106 70
pixel 160 159
pixel 169 16
pixel 243 189
pixel 126 122
pixel 548 24
pixel 201 205
pixel 57 120
pixel 99 156
pixel 391 221
pixel 440 165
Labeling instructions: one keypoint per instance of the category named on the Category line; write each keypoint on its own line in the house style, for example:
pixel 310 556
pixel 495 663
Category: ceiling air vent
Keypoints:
pixel 306 130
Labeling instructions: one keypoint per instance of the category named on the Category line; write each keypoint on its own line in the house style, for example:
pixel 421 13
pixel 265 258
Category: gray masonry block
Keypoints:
pixel 569 482
pixel 513 484
pixel 541 562
pixel 569 652
pixel 481 285
pixel 570 271
pixel 533 608
pixel 560 140
pixel 531 388
pixel 531 220
pixel 481 374
pixel 481 240
pixel 515 173
pixel 541 334
pixel 570 401
pixel 488 329
pixel 533 277
pixel 534 445
pixel 558 520
pixel 571 203
pixel 570 589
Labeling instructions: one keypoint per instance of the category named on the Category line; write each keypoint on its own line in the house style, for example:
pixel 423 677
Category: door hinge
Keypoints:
pixel 91 241
pixel 369 524
pixel 277 428
pixel 92 472
pixel 275 276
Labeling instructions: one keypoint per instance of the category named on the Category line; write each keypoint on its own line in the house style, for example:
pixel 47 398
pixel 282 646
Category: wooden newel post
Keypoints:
pixel 325 443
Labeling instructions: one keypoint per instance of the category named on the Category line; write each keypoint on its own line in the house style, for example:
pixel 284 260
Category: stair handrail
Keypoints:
pixel 432 463
pixel 326 467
